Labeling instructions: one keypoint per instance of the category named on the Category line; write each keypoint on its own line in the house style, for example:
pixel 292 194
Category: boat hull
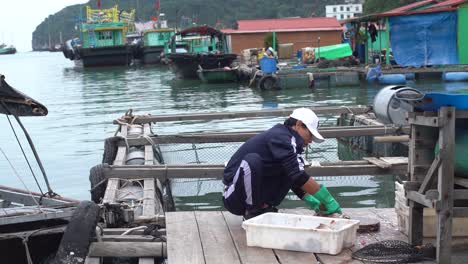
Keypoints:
pixel 218 75
pixel 106 56
pixel 185 65
pixel 152 54
pixel 7 51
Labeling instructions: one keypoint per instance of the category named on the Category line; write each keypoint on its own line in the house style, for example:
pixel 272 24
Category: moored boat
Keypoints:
pixel 4 49
pixel 206 47
pixel 103 41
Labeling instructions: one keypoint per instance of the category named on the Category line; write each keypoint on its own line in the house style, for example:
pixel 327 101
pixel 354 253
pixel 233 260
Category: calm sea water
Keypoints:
pixel 83 103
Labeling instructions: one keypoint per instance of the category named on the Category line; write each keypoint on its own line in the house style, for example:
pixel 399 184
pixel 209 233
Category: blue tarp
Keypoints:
pixel 426 39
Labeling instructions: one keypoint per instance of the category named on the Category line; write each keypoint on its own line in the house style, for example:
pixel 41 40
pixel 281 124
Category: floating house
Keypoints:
pixel 420 34
pixel 302 32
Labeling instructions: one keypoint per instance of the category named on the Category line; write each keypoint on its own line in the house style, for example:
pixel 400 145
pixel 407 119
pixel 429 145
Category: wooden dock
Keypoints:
pixel 217 237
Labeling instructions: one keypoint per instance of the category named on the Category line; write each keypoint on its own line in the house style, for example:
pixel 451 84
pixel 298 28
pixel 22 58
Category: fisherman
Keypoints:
pixel 263 170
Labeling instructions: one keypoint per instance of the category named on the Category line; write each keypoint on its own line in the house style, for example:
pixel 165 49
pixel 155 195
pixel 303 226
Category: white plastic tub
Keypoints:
pixel 300 232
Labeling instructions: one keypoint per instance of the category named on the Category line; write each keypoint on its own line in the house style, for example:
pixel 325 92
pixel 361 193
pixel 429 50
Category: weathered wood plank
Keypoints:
pixel 286 256
pixel 215 238
pixel 183 245
pixel 149 154
pixel 248 255
pixel 91 260
pixel 445 184
pixel 111 190
pixel 222 137
pixel 377 162
pixel 146 261
pixel 64 213
pixel 149 197
pixel 121 156
pixel 419 198
pixel 127 249
pixel 430 175
pixel 23 197
pixel 216 171
pixel 127 238
pixel 461 181
pixel 242 114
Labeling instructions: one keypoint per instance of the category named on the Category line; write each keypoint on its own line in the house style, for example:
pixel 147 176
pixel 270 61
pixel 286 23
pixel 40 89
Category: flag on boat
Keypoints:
pixel 157 5
pixel 98 3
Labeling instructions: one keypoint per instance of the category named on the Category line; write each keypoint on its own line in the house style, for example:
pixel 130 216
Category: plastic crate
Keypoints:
pixel 301 233
pixel 459 227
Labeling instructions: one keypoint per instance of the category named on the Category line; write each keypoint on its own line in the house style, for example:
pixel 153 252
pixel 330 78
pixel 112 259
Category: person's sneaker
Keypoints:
pixel 252 214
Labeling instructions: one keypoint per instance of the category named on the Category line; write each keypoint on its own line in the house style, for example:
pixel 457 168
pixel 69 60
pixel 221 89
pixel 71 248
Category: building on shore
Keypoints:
pixel 301 32
pixel 343 11
pixel 424 33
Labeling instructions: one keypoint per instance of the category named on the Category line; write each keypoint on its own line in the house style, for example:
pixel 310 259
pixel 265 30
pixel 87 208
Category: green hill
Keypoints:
pixel 220 13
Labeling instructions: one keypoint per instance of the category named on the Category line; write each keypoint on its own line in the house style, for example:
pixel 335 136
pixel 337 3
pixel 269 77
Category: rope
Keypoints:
pixel 24 154
pixel 19 177
pixel 31 144
pixel 26 248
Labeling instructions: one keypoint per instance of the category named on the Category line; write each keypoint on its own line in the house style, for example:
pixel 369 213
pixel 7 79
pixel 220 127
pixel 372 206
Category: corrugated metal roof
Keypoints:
pixel 411 7
pixel 287 24
pixel 449 3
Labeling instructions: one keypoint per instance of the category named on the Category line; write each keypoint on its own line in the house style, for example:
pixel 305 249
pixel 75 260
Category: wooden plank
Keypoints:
pixel 419 198
pixel 149 153
pixel 146 261
pixel 215 238
pixel 286 256
pixel 461 181
pixel 18 196
pixel 149 197
pixel 216 171
pixel 223 137
pixel 395 160
pixel 425 121
pixel 183 240
pixel 445 184
pixel 247 255
pixel 127 238
pixel 64 213
pixel 242 114
pixel 127 249
pixel 391 139
pixel 111 190
pixel 121 156
pixel 91 260
pixel 430 175
pixel 377 162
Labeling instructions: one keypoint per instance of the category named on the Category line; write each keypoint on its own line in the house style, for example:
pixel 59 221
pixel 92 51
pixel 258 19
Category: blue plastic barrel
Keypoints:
pixel 434 101
pixel 268 65
pixel 455 76
pixel 392 79
pixel 409 76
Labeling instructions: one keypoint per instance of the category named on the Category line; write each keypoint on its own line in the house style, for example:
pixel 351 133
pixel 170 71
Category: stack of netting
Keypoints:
pixel 394 251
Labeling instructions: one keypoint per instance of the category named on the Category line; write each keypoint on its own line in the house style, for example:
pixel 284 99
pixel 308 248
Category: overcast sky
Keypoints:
pixel 19 18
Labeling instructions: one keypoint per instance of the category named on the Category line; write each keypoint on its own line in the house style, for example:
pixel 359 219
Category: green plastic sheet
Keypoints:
pixel 334 51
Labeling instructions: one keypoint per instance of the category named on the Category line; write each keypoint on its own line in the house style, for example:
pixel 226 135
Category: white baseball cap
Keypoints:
pixel 310 120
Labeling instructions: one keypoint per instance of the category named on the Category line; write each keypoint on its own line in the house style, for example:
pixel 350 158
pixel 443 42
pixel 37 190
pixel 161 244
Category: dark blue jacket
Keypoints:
pixel 280 148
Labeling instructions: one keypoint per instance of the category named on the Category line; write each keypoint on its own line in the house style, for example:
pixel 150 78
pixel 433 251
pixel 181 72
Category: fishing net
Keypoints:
pixel 394 251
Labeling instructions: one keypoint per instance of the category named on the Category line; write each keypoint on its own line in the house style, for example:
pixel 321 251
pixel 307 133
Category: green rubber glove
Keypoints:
pixel 312 202
pixel 327 199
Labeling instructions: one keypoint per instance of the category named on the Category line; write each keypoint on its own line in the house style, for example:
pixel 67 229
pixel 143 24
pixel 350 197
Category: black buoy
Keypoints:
pixel 80 232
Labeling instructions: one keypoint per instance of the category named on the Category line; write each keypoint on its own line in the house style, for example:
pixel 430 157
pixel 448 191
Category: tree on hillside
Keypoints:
pixel 377 6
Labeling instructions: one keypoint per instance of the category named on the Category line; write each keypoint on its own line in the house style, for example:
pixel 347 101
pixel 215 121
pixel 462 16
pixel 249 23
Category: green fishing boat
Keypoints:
pixel 4 49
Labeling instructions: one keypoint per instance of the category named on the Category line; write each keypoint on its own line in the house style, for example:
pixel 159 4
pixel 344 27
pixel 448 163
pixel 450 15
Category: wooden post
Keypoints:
pixel 421 154
pixel 445 185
